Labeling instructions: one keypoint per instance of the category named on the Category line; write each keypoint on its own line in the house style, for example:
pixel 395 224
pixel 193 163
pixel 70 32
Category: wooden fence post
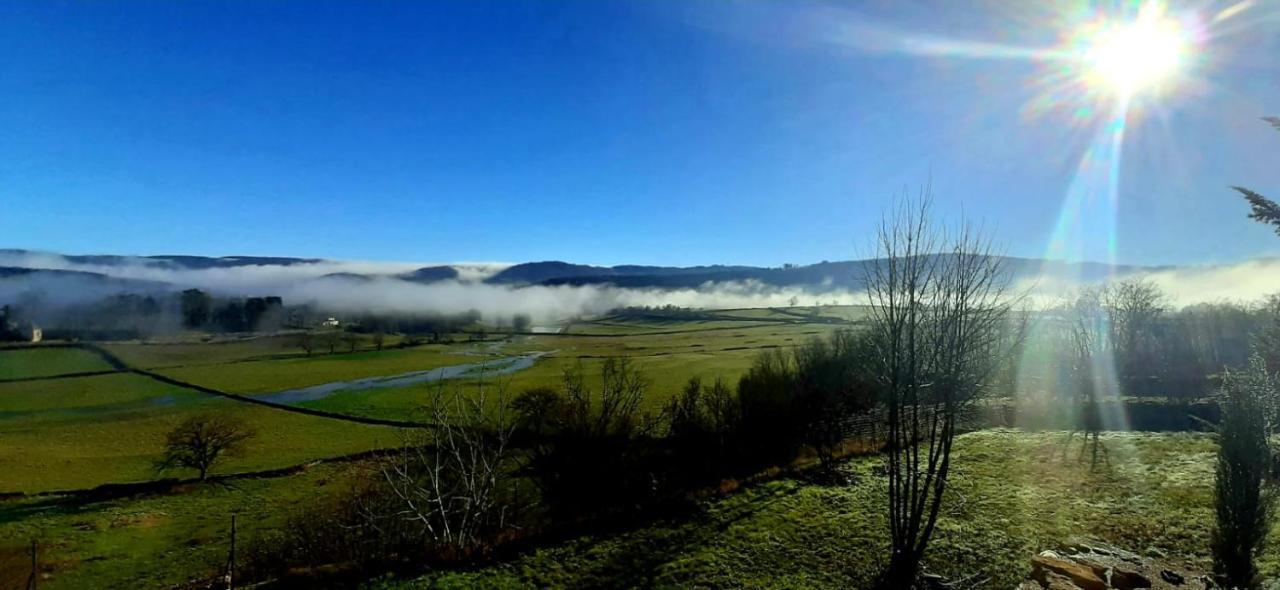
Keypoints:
pixel 35 567
pixel 231 557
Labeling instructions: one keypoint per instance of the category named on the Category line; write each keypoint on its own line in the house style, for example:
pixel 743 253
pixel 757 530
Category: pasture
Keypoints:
pixel 1015 494
pixel 274 374
pixel 215 351
pixel 47 362
pixel 73 432
pixel 86 431
pixel 82 431
pixel 158 541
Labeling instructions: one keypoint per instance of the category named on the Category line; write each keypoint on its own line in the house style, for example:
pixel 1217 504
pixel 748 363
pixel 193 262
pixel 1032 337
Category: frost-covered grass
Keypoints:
pixel 1014 494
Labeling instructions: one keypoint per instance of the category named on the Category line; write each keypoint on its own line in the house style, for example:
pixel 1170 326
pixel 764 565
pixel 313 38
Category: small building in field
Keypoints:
pixel 331 323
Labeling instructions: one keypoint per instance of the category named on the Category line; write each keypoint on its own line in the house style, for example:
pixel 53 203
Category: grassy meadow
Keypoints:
pixel 158 541
pixel 84 431
pixel 1012 494
pixel 265 376
pixel 47 362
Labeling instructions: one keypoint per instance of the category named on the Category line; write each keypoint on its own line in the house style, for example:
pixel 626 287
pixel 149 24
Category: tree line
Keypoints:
pixel 202 311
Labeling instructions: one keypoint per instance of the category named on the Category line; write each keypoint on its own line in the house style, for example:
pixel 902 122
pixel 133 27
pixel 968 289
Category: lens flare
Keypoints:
pixel 1114 63
pixel 1146 53
pixel 1118 64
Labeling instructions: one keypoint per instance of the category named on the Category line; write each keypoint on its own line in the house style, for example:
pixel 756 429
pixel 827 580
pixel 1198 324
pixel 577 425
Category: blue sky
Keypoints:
pixel 597 132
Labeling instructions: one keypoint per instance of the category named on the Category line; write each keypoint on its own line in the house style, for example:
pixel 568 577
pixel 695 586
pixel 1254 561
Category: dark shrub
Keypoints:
pixel 701 425
pixel 537 411
pixel 770 426
pixel 1242 501
pixel 592 461
pixel 834 384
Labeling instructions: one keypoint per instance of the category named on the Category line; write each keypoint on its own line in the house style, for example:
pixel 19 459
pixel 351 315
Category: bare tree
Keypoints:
pixel 200 441
pixel 1134 310
pixel 307 342
pixel 379 338
pixel 1084 350
pixel 453 480
pixel 939 305
pixel 614 409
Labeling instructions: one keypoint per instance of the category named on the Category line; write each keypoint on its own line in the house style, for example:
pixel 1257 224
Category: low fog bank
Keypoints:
pixel 354 287
pixel 543 303
pixel 357 288
pixel 232 280
pixel 1244 282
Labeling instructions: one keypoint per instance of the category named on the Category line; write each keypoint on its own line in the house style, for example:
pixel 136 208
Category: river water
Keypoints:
pixel 488 368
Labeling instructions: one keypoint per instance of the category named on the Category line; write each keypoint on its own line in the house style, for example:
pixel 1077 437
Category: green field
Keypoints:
pixel 80 432
pixel 666 374
pixel 709 349
pixel 152 542
pixel 150 355
pixel 86 431
pixel 667 361
pixel 280 374
pixel 1012 496
pixel 47 362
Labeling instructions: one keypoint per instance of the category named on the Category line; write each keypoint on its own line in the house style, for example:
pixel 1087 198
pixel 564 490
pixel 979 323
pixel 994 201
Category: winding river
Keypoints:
pixel 488 368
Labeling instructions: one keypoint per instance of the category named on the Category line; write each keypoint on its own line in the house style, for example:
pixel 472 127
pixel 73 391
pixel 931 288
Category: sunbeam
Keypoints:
pixel 1114 64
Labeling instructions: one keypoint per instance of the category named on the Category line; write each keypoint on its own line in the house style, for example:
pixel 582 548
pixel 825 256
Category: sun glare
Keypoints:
pixel 1144 54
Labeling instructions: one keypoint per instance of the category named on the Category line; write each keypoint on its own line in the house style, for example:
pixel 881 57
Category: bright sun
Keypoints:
pixel 1142 54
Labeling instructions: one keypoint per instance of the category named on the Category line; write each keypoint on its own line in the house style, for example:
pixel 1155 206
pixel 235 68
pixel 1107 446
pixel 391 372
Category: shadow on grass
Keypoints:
pixel 63 505
pixel 635 558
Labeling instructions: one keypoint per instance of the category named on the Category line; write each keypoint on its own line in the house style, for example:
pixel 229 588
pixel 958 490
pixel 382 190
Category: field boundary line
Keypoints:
pixel 285 407
pixel 116 362
pixel 112 491
pixel 63 376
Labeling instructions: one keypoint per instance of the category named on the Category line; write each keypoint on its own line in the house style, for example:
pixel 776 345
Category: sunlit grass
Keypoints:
pixel 277 375
pixel 153 542
pixel 44 362
pixel 87 431
pixel 1013 496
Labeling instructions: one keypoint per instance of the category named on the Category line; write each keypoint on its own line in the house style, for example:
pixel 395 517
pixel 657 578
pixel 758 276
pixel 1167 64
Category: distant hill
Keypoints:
pixel 848 274
pixel 28 276
pixel 350 276
pixel 430 274
pixel 843 274
pixel 164 260
pixel 200 262
pixel 557 272
pixel 532 273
